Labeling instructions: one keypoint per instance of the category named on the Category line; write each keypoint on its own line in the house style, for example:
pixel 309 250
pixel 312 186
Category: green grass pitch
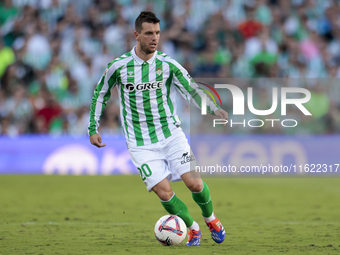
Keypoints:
pixel 116 215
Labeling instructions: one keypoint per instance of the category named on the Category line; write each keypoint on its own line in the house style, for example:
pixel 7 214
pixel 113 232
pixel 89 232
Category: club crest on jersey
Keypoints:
pixel 144 86
pixel 159 71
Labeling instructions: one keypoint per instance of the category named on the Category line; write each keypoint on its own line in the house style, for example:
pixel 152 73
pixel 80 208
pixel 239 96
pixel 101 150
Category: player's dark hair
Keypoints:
pixel 145 16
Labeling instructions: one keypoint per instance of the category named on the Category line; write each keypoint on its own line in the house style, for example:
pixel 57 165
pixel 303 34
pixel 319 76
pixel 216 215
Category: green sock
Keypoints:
pixel 175 206
pixel 204 201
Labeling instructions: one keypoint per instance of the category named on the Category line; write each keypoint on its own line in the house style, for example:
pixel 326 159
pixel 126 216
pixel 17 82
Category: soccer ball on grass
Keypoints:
pixel 170 230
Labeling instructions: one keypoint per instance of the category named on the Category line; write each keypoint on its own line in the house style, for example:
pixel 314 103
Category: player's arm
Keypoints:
pixel 191 91
pixel 101 95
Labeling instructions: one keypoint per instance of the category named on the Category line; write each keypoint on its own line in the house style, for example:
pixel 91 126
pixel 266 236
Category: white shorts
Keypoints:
pixel 169 158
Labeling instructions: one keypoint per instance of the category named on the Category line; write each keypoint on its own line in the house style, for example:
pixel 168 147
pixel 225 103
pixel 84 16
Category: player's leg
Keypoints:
pixel 155 173
pixel 179 157
pixel 175 206
pixel 171 203
pixel 201 195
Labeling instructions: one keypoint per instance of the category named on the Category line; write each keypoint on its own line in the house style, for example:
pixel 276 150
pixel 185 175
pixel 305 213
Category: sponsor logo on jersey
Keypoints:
pixel 144 86
pixel 130 87
pixel 130 74
pixel 187 158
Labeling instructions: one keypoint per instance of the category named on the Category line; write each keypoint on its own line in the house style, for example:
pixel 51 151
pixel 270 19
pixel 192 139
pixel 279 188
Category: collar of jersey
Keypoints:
pixel 141 61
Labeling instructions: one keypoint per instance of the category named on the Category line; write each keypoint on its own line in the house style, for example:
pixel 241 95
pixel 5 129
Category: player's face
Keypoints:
pixel 148 37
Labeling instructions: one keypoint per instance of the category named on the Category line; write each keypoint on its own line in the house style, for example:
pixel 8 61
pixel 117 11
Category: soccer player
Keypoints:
pixel 147 81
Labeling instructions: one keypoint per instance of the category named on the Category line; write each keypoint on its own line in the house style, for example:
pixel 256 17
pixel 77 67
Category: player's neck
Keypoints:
pixel 142 55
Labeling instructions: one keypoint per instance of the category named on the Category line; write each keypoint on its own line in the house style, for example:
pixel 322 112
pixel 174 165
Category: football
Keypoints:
pixel 170 230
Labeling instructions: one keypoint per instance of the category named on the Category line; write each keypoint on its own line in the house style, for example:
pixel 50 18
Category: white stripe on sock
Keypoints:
pixel 194 226
pixel 211 218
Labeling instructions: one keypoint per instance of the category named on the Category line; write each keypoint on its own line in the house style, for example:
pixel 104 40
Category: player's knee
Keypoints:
pixel 163 190
pixel 165 195
pixel 196 186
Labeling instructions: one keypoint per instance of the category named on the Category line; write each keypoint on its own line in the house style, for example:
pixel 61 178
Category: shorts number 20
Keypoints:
pixel 144 171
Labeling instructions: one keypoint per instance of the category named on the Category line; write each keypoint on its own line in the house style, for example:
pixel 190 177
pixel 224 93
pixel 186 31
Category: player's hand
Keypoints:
pixel 222 114
pixel 96 140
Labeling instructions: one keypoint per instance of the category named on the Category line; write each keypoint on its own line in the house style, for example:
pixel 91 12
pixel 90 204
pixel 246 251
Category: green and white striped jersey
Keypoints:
pixel 147 91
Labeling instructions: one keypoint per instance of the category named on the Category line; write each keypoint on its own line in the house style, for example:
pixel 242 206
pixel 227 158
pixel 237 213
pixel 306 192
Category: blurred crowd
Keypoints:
pixel 53 52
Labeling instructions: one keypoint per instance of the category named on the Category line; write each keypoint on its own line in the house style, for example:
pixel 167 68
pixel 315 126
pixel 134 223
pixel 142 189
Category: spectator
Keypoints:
pixel 18 109
pixel 7 58
pixel 6 129
pixel 7 11
pixel 49 112
pixel 251 27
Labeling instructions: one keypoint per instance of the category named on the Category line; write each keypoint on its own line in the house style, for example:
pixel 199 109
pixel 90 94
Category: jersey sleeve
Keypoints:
pixel 189 89
pixel 101 95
